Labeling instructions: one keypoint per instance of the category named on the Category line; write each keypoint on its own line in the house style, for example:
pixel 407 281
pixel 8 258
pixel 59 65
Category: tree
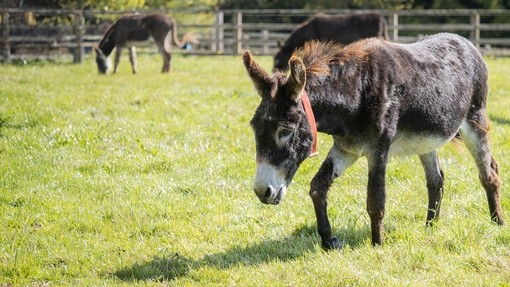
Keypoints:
pixel 460 4
pixel 355 4
pixel 262 4
pixel 425 4
pixel 181 3
pixel 85 4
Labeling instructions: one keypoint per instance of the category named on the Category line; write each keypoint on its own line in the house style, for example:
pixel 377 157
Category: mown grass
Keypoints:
pixel 147 180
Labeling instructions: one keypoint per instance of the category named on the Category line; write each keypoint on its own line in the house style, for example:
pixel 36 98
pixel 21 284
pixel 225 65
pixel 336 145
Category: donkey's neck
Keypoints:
pixel 106 47
pixel 335 102
pixel 108 43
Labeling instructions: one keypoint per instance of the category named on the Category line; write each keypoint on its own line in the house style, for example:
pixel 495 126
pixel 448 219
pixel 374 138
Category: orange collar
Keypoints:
pixel 311 119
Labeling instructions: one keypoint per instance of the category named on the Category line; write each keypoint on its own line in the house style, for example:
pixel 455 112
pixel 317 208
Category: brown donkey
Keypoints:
pixel 376 99
pixel 138 28
pixel 340 28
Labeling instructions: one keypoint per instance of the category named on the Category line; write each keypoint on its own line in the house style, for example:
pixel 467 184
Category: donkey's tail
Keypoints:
pixel 171 38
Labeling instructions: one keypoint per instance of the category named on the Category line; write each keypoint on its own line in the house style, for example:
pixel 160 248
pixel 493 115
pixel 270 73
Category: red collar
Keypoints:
pixel 311 119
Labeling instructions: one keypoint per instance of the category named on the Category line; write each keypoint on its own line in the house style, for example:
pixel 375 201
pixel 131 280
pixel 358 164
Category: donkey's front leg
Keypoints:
pixel 118 53
pixel 333 166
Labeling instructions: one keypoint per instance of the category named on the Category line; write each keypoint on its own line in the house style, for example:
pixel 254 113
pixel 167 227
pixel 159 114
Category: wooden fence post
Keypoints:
pixel 5 37
pixel 394 21
pixel 475 32
pixel 218 37
pixel 265 38
pixel 78 32
pixel 238 23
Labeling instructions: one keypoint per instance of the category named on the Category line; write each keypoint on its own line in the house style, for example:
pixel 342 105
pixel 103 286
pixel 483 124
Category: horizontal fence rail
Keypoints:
pixel 46 33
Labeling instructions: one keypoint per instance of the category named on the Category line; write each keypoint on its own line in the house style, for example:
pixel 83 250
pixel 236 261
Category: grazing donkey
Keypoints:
pixel 341 28
pixel 138 28
pixel 376 99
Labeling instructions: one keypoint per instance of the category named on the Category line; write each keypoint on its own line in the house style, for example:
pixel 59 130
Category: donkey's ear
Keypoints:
pixel 297 79
pixel 259 77
pixel 279 44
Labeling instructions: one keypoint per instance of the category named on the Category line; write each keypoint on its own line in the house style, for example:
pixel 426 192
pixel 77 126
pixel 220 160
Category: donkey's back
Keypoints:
pixel 432 89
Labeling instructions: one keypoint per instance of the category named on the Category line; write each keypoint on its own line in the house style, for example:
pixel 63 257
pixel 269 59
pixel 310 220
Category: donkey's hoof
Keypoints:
pixel 330 244
pixel 499 221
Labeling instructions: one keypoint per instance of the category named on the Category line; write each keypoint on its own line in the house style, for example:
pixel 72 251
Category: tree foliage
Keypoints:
pixel 365 4
pixel 271 4
pixel 86 4
pixel 119 4
pixel 181 4
pixel 263 4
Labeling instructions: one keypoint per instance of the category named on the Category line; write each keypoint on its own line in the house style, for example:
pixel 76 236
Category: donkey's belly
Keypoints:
pixel 142 43
pixel 409 144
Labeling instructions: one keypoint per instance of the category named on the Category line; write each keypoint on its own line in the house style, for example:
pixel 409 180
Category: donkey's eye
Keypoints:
pixel 284 134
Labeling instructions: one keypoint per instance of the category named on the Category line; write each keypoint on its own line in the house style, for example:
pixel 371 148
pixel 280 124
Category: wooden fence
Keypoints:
pixel 53 33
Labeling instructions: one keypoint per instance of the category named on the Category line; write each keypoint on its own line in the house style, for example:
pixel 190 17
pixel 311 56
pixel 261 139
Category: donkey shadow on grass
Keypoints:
pixel 301 241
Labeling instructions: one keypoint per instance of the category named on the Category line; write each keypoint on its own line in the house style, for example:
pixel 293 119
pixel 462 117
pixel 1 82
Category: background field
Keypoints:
pixel 147 180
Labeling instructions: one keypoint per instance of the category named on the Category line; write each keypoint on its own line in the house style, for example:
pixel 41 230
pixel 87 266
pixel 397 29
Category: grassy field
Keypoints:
pixel 146 179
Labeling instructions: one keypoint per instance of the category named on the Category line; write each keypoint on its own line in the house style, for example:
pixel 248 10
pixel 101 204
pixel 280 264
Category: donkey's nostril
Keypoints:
pixel 268 193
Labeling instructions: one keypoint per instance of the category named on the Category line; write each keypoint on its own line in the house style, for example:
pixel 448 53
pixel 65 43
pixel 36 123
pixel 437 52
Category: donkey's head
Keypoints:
pixel 102 61
pixel 282 131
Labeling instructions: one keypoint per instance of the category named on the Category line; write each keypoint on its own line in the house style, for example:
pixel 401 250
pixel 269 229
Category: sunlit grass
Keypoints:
pixel 147 180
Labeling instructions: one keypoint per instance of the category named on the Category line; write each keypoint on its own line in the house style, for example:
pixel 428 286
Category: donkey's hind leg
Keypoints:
pixel 166 61
pixel 132 58
pixel 435 183
pixel 164 43
pixel 474 134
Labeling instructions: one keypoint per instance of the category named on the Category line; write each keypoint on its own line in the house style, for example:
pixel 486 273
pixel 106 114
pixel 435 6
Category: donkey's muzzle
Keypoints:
pixel 270 184
pixel 269 194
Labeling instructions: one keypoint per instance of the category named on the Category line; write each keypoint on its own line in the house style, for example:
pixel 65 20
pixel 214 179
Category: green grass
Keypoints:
pixel 146 179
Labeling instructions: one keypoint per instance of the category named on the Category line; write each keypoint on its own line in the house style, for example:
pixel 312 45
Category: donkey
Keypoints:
pixel 341 28
pixel 376 99
pixel 139 28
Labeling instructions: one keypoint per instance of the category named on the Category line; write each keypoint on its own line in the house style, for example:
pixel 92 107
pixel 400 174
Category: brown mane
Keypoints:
pixel 319 56
pixel 107 33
